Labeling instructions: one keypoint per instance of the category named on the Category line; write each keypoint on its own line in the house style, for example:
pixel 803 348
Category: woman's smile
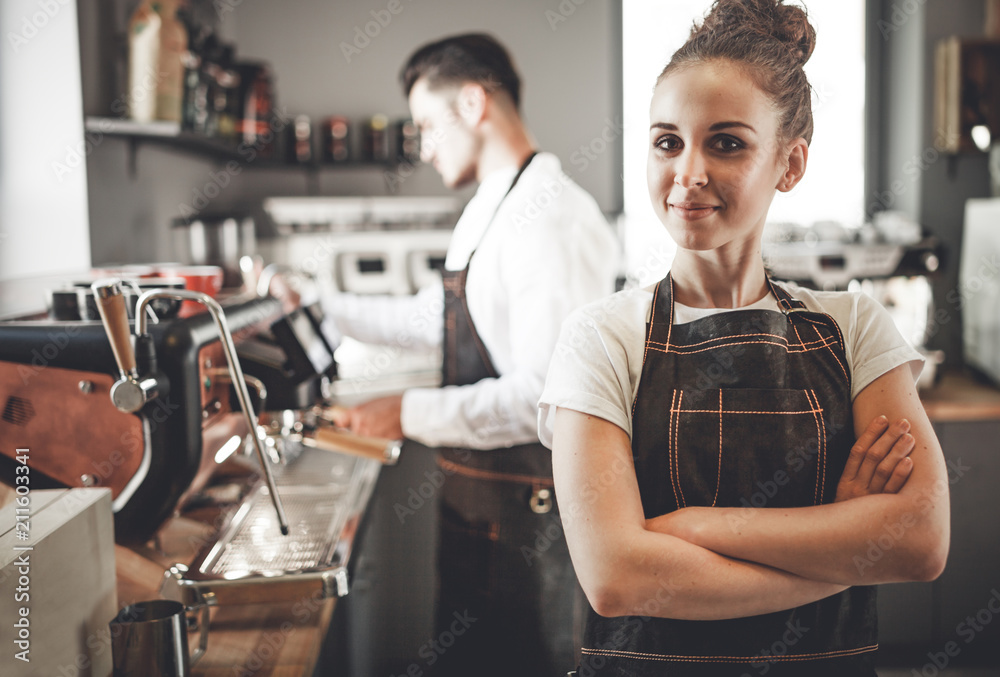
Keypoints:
pixel 692 211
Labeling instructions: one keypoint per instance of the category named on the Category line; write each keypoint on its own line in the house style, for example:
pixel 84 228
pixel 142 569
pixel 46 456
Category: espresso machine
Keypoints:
pixel 151 416
pixel 889 259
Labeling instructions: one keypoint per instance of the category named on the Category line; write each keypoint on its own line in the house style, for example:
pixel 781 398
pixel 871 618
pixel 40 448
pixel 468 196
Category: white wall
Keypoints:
pixel 43 178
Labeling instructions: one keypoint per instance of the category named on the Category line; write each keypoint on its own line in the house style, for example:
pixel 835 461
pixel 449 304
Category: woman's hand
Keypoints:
pixel 282 290
pixel 898 477
pixel 626 568
pixel 879 462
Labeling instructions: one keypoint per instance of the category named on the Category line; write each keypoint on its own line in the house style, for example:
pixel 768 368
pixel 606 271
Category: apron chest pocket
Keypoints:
pixel 747 447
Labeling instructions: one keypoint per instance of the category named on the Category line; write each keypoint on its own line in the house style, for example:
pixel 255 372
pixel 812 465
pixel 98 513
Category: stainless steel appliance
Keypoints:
pixel 153 423
pixel 59 582
pixel 371 245
pixel 215 239
pixel 150 638
pixel 887 260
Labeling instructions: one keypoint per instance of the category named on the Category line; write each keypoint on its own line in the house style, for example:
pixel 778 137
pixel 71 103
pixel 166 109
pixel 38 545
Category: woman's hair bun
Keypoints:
pixel 788 24
pixel 773 40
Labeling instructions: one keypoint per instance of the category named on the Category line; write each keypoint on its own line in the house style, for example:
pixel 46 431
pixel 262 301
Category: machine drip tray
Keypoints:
pixel 325 495
pixel 255 546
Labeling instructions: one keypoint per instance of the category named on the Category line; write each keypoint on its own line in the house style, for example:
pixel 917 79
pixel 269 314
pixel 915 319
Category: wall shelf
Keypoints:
pixel 170 134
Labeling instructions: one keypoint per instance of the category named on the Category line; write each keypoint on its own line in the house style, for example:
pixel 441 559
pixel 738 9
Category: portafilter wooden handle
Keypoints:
pixel 111 305
pixel 332 439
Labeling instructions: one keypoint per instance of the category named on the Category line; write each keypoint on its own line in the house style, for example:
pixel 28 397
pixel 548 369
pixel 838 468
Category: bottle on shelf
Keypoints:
pixel 255 124
pixel 407 142
pixel 300 146
pixel 143 61
pixel 225 100
pixel 336 139
pixel 196 104
pixel 377 138
pixel 173 50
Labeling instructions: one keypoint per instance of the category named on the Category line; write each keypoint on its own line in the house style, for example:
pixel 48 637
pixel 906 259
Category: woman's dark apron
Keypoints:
pixel 507 585
pixel 751 409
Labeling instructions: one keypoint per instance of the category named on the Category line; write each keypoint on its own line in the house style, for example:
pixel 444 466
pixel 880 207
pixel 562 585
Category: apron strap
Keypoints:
pixel 454 285
pixel 786 302
pixel 496 211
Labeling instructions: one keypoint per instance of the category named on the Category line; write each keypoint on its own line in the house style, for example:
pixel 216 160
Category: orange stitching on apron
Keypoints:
pixel 478 474
pixel 732 336
pixel 842 368
pixel 676 408
pixel 741 343
pixel 670 447
pixel 822 485
pixel 819 444
pixel 730 659
pixel 839 340
pixel 677 447
pixel 766 413
pixel 797 335
pixel 840 334
pixel 836 326
pixel 821 470
pixel 718 478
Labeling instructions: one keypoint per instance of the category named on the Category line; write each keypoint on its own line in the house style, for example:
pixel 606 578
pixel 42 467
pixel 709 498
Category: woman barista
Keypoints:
pixel 704 431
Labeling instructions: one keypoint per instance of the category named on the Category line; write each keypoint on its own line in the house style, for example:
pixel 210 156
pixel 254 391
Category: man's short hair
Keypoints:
pixel 456 60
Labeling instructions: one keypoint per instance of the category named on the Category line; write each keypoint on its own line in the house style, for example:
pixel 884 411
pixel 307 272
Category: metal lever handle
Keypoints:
pixel 235 373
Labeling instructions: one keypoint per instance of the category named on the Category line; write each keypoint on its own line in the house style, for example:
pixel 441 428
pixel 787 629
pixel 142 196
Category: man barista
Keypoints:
pixel 529 247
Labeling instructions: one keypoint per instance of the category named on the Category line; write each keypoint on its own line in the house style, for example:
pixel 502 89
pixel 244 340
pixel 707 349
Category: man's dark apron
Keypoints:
pixel 502 556
pixel 752 409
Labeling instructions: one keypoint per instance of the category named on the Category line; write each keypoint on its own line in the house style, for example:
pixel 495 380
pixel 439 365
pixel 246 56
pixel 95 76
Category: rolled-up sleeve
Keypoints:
pixel 406 321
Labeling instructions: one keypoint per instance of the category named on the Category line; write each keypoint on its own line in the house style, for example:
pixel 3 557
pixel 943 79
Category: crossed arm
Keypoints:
pixel 711 563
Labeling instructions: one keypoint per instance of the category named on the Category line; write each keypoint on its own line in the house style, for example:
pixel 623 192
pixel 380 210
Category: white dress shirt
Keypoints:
pixel 548 251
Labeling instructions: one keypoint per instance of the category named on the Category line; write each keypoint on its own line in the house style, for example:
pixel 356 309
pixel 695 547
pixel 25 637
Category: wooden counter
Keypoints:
pixel 958 396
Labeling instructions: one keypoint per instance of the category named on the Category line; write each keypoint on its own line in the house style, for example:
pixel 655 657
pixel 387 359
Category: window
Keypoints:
pixel 833 187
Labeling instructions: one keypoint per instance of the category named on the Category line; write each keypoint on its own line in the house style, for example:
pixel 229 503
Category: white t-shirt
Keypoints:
pixel 598 360
pixel 548 251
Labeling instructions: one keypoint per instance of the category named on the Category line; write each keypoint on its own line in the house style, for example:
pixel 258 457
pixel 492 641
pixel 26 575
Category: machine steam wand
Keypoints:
pixel 132 390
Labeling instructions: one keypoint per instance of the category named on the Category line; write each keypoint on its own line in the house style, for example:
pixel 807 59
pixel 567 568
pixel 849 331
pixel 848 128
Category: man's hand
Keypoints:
pixel 879 462
pixel 376 418
pixel 282 290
